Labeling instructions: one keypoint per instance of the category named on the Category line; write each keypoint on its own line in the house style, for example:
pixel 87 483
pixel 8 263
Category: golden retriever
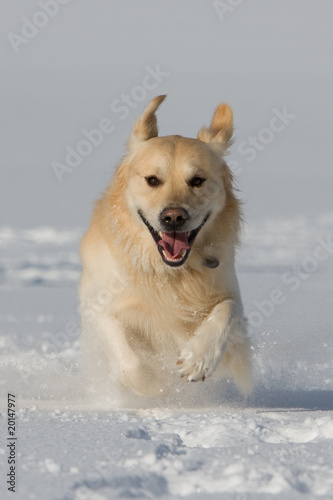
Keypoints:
pixel 159 294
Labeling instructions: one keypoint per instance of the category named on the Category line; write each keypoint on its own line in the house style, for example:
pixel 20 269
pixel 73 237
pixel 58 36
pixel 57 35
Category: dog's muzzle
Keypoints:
pixel 174 245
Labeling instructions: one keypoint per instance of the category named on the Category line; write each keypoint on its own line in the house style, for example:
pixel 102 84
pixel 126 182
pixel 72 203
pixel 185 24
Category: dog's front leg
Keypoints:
pixel 221 336
pixel 109 353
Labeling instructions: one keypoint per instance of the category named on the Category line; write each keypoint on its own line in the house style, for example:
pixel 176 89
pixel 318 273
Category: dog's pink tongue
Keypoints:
pixel 174 244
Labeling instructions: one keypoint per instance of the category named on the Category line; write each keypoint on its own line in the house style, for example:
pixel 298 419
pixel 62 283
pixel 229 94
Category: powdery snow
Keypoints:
pixel 75 454
pixel 201 442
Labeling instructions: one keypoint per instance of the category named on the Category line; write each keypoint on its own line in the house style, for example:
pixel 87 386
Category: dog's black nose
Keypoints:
pixel 173 218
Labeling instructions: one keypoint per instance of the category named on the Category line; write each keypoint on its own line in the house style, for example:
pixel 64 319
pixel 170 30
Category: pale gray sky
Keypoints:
pixel 71 71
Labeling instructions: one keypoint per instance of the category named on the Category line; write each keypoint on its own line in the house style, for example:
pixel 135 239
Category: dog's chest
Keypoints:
pixel 164 308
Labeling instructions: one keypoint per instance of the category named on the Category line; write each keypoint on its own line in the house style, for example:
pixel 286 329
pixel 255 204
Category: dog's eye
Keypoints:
pixel 153 181
pixel 197 181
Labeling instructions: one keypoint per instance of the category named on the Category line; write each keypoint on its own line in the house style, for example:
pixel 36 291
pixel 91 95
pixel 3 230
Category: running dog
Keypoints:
pixel 159 294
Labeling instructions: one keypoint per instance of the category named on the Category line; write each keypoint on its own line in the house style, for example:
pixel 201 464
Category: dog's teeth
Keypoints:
pixel 174 260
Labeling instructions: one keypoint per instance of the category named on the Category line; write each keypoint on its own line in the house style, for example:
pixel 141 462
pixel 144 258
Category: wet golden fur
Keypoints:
pixel 140 316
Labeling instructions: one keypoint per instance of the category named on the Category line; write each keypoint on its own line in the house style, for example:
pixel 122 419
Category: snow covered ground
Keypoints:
pixel 66 66
pixel 202 442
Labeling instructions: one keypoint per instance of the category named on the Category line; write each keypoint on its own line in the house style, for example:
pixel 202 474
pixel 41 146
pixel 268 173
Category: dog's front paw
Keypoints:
pixel 198 361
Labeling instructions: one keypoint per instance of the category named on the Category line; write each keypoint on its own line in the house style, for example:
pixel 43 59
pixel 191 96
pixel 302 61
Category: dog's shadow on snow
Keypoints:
pixel 274 399
pixel 299 400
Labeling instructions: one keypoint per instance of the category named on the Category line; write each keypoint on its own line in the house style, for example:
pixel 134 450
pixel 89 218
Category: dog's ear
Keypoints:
pixel 146 125
pixel 219 134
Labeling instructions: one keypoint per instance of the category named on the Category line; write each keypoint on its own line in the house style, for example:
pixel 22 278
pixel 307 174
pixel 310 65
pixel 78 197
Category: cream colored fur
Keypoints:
pixel 146 323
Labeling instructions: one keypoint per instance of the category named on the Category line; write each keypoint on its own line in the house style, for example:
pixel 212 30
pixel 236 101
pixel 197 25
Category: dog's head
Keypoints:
pixel 177 186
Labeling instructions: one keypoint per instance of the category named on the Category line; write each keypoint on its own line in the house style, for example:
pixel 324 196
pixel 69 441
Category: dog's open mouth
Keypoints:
pixel 174 246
